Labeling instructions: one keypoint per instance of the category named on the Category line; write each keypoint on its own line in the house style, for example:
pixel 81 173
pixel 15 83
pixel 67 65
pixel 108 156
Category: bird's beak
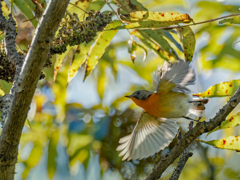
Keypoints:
pixel 128 96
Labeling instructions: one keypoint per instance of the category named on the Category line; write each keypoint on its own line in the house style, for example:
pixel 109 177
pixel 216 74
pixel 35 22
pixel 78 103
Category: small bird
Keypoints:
pixel 154 130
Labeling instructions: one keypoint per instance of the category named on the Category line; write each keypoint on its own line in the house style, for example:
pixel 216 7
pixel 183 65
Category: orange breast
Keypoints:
pixel 151 105
pixel 166 104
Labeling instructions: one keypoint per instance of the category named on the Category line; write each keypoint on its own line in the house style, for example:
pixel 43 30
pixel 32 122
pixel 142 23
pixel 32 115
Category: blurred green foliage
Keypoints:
pixel 58 123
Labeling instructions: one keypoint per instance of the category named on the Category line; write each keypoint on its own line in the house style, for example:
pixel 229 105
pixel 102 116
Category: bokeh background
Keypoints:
pixel 73 128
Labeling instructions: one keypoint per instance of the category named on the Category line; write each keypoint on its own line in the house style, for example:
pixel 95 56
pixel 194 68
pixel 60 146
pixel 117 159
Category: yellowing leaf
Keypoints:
pixel 233 121
pixel 1 93
pixel 101 43
pixel 157 16
pixel 78 59
pixel 188 40
pixel 147 19
pixel 83 4
pixel 33 158
pixel 231 143
pixel 59 60
pixel 5 9
pixel 220 90
pixel 234 20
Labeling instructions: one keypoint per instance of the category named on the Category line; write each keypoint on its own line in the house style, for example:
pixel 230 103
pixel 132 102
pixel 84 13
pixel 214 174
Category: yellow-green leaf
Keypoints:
pixel 231 143
pixel 83 4
pixel 78 59
pixel 52 154
pixel 234 20
pixel 27 123
pixel 188 40
pixel 220 90
pixel 33 158
pixel 101 43
pixel 5 87
pixel 26 10
pixel 59 60
pixel 233 121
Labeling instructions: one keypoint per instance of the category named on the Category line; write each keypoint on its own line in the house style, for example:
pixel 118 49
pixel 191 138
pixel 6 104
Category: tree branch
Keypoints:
pixel 182 161
pixel 192 134
pixel 16 105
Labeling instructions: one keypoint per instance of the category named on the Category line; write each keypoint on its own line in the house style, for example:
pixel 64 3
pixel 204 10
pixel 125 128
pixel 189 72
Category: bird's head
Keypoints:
pixel 140 95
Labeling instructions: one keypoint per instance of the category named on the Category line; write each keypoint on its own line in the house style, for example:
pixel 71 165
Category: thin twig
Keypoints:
pixel 202 22
pixel 117 16
pixel 185 25
pixel 182 161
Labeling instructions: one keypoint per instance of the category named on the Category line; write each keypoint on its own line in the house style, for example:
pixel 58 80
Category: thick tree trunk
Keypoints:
pixel 15 105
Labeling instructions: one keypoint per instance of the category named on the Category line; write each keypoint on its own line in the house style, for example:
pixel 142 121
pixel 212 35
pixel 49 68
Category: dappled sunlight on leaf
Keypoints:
pixel 233 121
pixel 220 90
pixel 231 143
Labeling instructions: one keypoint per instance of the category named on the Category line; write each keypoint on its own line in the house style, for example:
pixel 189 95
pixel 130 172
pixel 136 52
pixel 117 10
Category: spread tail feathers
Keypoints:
pixel 197 107
pixel 150 135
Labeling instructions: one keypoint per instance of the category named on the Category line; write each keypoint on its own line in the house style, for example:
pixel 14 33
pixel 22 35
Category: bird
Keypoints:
pixel 155 129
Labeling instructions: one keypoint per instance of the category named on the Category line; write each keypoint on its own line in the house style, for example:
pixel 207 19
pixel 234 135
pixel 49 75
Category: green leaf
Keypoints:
pixel 130 6
pixel 5 87
pixel 234 20
pixel 153 45
pixel 27 11
pixel 79 58
pixel 102 42
pixel 231 143
pixel 156 36
pixel 52 154
pixel 96 5
pixel 233 121
pixel 187 38
pixel 220 90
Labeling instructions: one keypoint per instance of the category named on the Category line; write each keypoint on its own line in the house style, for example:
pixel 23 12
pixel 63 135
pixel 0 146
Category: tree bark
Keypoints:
pixel 15 105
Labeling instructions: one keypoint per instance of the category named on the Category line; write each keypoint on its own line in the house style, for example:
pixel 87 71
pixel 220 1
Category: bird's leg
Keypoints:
pixel 188 118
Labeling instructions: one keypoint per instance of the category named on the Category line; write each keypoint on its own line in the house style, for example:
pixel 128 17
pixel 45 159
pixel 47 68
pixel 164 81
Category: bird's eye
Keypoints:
pixel 138 92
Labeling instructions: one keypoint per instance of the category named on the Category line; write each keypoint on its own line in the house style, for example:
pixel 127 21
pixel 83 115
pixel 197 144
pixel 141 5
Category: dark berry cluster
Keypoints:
pixel 7 69
pixel 74 32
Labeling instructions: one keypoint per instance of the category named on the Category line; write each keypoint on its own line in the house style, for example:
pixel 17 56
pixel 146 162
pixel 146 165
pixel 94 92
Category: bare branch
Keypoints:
pixel 182 161
pixel 192 134
pixel 18 102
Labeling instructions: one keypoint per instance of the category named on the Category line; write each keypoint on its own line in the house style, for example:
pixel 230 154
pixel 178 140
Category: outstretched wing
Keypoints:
pixel 150 135
pixel 175 77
